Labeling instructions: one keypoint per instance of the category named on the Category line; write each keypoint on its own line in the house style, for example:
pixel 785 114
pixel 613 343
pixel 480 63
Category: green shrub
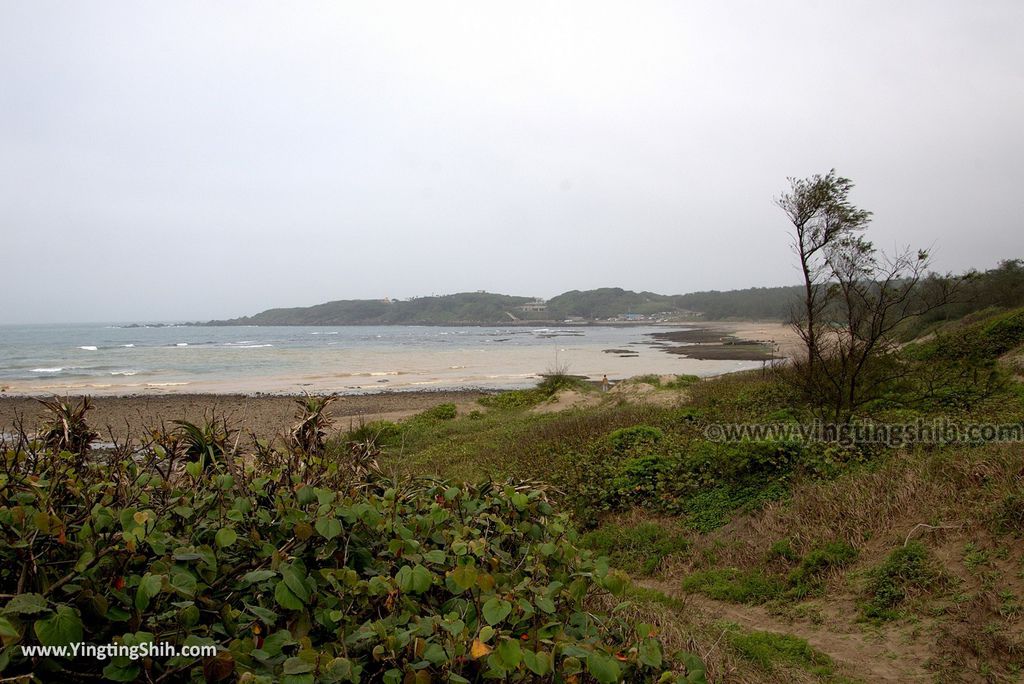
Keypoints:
pixel 909 569
pixel 312 423
pixel 513 399
pixel 677 382
pixel 681 382
pixel 1008 514
pixel 439 412
pixel 768 649
pixel 782 550
pixel 208 443
pixel 635 439
pixel 299 570
pixel 734 585
pixel 710 509
pixel 639 466
pixel 383 432
pixel 555 382
pixel 638 549
pixel 65 427
pixel 806 578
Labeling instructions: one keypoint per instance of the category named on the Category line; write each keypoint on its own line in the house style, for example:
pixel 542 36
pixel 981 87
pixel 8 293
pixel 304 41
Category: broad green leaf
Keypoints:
pixel 121 669
pixel 545 604
pixel 297 666
pixel 184 582
pixel 62 628
pixel 226 536
pixel 286 598
pixel 421 579
pixel 571 665
pixel 538 663
pixel 274 643
pixel 464 576
pixel 329 528
pixel 149 587
pixel 293 578
pixel 435 653
pixel 7 630
pixel 695 670
pixel 604 668
pixel 616 582
pixel 339 669
pixel 495 610
pixel 649 653
pixel 258 576
pixel 26 604
pixel 509 653
pixel 435 556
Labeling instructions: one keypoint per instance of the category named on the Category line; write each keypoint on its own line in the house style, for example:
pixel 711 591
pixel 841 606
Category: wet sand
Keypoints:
pixel 723 340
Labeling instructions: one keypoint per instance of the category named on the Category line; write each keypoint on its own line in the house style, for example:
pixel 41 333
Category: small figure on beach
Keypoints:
pixel 604 383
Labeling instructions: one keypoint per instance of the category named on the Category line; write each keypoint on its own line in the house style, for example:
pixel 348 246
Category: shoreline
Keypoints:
pixel 263 415
pixel 708 349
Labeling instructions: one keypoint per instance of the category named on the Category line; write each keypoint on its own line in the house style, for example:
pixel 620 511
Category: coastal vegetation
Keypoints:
pixel 854 514
pixel 609 540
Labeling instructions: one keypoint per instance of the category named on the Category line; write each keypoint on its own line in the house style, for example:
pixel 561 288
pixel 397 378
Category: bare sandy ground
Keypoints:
pixel 263 415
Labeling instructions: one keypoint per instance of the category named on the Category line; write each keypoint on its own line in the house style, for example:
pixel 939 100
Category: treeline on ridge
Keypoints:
pixel 1001 287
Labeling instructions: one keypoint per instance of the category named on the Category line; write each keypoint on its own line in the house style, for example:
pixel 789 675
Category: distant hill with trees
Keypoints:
pixel 999 287
pixel 454 309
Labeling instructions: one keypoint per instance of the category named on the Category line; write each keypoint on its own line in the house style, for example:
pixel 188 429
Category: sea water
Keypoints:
pixel 133 359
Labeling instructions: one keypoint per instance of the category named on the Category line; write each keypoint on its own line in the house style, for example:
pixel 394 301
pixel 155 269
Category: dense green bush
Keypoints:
pixel 513 399
pixel 768 649
pixel 705 481
pixel 636 439
pixel 383 432
pixel 299 570
pixel 734 585
pixel 907 570
pixel 439 412
pixel 807 577
pixel 637 549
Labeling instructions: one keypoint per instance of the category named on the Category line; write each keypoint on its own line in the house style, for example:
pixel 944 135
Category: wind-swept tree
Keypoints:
pixel 855 297
pixel 822 215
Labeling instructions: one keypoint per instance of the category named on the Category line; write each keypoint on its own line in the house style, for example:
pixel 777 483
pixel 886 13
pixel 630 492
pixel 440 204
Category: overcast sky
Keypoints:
pixel 188 160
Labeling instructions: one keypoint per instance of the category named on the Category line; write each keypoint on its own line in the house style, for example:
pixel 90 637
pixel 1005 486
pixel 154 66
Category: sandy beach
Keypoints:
pixel 109 361
pixel 266 405
pixel 263 415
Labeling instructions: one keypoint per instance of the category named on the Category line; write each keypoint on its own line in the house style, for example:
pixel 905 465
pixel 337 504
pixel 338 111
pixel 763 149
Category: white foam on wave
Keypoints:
pixel 124 372
pixel 181 344
pixel 127 345
pixel 251 346
pixel 47 370
pixel 88 347
pixel 165 384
